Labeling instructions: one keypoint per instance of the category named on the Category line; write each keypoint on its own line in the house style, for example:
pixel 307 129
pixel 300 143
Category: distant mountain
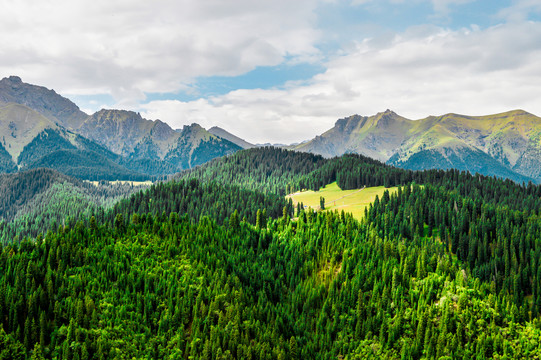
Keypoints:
pixel 218 131
pixel 19 125
pixel 196 146
pixel 505 145
pixel 125 132
pixel 376 136
pixel 41 128
pixel 153 147
pixel 30 140
pixel 46 102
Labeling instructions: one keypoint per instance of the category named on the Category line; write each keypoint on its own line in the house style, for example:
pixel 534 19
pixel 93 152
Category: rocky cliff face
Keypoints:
pixel 123 131
pixel 44 101
pixel 41 128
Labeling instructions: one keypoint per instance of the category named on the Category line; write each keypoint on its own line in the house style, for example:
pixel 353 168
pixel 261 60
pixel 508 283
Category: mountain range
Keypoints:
pixel 506 145
pixel 40 128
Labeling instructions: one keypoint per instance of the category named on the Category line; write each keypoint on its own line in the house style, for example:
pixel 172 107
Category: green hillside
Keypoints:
pixel 427 274
pixel 216 265
pixel 38 200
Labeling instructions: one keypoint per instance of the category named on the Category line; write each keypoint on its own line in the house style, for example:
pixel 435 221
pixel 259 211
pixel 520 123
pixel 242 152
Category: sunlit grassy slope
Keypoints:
pixel 352 201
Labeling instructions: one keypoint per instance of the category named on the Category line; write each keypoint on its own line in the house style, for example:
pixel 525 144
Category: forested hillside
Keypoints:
pixel 266 169
pixel 222 267
pixel 38 200
pixel 195 199
pixel 322 287
pixel 283 171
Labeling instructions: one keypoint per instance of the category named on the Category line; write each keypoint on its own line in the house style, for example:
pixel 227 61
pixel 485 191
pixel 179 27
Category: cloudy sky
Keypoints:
pixel 278 71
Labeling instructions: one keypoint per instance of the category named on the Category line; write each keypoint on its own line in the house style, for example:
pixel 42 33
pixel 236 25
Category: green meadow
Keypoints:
pixel 352 201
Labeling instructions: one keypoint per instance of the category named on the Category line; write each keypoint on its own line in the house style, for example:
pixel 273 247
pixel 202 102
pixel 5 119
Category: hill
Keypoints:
pixel 505 145
pixel 38 200
pixel 194 269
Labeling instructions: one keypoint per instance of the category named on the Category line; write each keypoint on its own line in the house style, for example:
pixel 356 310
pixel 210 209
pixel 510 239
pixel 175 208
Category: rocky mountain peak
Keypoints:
pixel 13 79
pixel 45 101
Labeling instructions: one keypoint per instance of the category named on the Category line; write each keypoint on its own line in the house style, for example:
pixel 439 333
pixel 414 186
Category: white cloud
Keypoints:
pixel 519 10
pixel 126 48
pixel 425 71
pixel 129 48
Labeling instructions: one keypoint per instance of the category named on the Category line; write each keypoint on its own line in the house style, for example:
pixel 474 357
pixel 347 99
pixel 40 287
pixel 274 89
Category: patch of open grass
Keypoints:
pixel 352 201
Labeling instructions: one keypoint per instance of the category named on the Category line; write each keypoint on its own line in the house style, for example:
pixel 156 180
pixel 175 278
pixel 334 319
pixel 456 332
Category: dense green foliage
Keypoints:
pixel 356 171
pixel 39 200
pixel 209 269
pixel 324 286
pixel 282 171
pixel 499 246
pixel 87 165
pixel 196 199
pixel 19 189
pixel 6 163
pixel 45 143
pixel 265 169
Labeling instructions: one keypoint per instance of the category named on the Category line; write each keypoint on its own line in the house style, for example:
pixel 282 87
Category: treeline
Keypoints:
pixel 88 165
pixel 354 171
pixel 283 171
pixel 196 199
pixel 208 269
pixel 266 169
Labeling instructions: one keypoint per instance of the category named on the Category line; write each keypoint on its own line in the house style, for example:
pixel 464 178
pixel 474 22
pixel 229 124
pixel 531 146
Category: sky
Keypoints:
pixel 278 71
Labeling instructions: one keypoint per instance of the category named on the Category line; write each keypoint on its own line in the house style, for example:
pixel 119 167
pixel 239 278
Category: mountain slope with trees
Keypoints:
pixel 427 274
pixel 40 200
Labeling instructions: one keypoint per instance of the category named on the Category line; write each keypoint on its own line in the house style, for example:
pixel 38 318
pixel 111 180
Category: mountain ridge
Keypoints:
pixel 120 138
pixel 42 100
pixel 510 138
pixel 224 134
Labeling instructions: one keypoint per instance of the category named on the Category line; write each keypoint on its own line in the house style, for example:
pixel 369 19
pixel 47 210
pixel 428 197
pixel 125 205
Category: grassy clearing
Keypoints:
pixel 352 201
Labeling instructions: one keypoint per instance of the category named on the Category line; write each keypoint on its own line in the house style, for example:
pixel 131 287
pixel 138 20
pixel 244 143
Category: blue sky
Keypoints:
pixel 279 71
